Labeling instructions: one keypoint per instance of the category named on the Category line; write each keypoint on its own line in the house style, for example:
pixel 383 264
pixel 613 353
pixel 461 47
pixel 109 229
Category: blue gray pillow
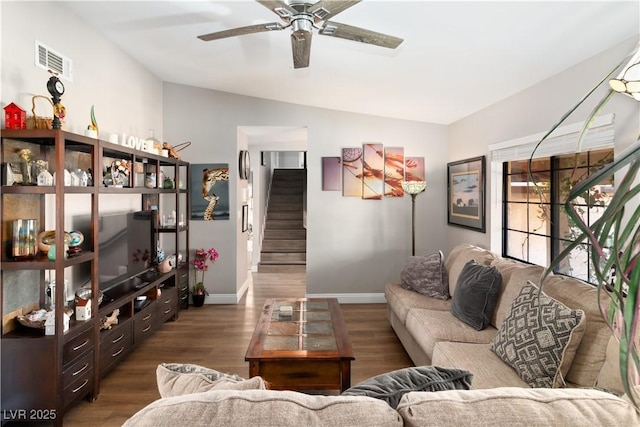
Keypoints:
pixel 476 294
pixel 391 386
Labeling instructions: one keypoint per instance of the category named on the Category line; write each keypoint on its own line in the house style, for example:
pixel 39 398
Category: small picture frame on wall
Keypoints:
pixel 466 193
pixel 245 218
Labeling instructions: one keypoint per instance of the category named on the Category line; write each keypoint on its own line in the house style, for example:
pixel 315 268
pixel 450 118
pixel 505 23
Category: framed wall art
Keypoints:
pixel 209 191
pixel 245 218
pixel 466 193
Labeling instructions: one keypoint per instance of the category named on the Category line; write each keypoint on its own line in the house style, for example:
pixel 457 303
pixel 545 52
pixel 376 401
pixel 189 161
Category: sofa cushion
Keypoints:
pixel 391 386
pixel 429 327
pixel 175 379
pixel 400 301
pixel 539 338
pixel 509 406
pixel 426 275
pixel 609 378
pixel 515 275
pixel 459 256
pixel 476 294
pixel 489 371
pixel 591 353
pixel 265 408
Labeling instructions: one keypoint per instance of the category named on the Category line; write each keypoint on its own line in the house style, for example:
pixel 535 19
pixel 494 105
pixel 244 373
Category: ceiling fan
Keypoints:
pixel 303 16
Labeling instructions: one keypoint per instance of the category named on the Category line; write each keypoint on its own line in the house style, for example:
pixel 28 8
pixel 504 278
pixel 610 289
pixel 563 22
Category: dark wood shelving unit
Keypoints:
pixel 45 374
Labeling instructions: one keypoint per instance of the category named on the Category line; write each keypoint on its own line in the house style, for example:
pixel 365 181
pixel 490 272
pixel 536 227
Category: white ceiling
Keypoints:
pixel 457 57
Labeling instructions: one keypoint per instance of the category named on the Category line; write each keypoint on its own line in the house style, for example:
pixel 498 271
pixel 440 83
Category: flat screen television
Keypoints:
pixel 127 244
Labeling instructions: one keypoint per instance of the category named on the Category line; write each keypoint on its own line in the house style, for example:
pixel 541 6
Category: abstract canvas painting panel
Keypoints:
pixel 352 172
pixel 372 171
pixel 393 171
pixel 414 169
pixel 331 174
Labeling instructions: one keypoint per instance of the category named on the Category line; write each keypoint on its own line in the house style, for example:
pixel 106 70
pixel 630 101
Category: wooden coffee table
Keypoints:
pixel 308 349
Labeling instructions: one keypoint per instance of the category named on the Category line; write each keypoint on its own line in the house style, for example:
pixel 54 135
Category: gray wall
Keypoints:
pixel 536 110
pixel 353 246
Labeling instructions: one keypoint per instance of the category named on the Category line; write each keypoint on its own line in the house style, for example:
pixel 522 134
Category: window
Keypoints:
pixel 536 227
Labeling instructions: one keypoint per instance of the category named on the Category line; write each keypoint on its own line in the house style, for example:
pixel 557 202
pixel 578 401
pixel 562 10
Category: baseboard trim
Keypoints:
pixel 370 298
pixel 367 298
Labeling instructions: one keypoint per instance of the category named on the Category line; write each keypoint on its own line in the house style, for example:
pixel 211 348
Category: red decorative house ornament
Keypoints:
pixel 14 117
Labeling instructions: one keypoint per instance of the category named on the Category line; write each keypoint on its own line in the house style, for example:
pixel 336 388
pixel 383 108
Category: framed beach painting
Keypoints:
pixel 466 193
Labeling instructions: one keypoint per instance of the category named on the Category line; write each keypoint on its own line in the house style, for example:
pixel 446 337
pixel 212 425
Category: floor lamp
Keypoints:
pixel 413 188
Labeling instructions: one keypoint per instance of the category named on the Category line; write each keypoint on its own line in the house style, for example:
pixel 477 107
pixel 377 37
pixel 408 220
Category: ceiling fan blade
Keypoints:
pixel 343 31
pixel 301 48
pixel 278 7
pixel 271 26
pixel 327 9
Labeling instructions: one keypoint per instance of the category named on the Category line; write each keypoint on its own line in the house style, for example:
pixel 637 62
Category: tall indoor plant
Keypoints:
pixel 200 264
pixel 615 237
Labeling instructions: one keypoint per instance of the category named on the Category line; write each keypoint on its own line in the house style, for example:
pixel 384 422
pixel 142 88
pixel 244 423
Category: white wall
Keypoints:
pixel 536 110
pixel 126 96
pixel 354 246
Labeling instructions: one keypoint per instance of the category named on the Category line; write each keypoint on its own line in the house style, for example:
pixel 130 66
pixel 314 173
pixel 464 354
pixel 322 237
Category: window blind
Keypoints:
pixel 564 140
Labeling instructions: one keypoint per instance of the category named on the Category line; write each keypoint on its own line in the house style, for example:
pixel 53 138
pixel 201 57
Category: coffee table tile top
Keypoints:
pixel 319 343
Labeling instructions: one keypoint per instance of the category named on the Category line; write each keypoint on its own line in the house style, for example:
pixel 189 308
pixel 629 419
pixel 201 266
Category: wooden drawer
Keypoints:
pixel 77 369
pixel 144 322
pixel 114 346
pixel 167 304
pixel 79 387
pixel 77 346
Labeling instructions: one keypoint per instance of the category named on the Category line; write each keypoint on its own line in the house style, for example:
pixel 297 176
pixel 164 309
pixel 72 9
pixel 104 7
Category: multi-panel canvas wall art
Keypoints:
pixel 209 191
pixel 371 171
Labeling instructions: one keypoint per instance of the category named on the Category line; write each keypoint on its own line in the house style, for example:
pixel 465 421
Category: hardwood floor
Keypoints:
pixel 217 336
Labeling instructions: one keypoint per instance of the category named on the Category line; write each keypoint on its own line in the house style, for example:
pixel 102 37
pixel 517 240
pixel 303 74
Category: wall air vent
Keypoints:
pixel 49 59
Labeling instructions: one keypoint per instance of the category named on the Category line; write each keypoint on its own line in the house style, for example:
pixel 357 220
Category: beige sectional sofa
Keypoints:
pixel 431 334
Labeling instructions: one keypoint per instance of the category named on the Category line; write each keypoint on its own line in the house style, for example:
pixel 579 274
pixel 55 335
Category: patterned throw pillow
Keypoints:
pixel 477 291
pixel 177 379
pixel 539 338
pixel 426 275
pixel 391 386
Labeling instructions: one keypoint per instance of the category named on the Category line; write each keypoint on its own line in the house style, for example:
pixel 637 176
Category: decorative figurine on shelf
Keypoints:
pixel 92 129
pixel 56 89
pixel 14 117
pixel 25 162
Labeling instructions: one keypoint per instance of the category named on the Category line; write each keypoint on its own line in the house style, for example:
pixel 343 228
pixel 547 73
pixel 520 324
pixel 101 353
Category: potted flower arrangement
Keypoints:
pixel 200 264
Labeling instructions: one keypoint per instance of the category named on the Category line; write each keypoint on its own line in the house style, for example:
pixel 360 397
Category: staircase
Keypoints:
pixel 284 245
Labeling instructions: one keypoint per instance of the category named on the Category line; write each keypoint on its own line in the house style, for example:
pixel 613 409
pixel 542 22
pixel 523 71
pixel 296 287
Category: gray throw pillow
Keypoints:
pixel 477 291
pixel 391 386
pixel 539 338
pixel 426 275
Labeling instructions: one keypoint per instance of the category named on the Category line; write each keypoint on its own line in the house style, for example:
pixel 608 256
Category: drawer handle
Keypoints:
pixel 184 298
pixel 117 339
pixel 146 329
pixel 168 310
pixel 182 276
pixel 81 345
pixel 184 288
pixel 147 317
pixel 86 365
pixel 82 385
pixel 118 352
pixel 168 301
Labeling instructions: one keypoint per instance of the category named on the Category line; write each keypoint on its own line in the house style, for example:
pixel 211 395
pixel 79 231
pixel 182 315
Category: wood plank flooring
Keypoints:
pixel 217 336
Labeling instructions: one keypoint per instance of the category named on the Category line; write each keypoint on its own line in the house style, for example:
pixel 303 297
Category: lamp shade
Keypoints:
pixel 414 187
pixel 628 81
